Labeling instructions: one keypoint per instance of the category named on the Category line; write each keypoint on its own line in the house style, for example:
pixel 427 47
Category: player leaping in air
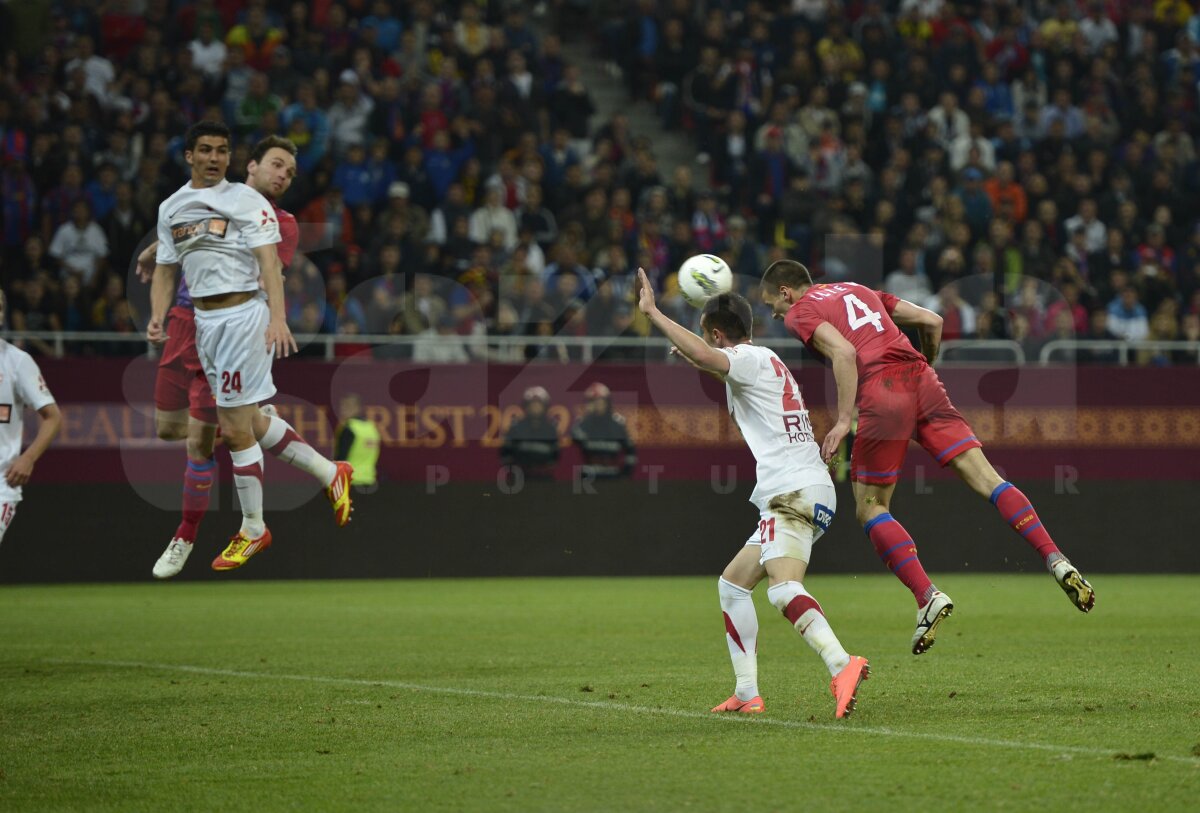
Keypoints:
pixel 228 239
pixel 899 396
pixel 794 495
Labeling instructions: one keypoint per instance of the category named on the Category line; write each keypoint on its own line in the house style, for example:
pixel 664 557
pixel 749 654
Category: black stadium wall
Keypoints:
pixel 108 532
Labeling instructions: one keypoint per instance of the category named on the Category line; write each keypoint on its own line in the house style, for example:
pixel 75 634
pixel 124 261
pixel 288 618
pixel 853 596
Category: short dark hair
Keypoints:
pixel 786 272
pixel 729 313
pixel 269 143
pixel 205 128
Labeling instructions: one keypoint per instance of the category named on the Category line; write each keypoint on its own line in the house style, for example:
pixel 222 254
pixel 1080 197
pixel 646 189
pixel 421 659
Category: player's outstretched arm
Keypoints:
pixel 927 324
pixel 687 343
pixel 279 336
pixel 162 289
pixel 832 345
pixel 50 419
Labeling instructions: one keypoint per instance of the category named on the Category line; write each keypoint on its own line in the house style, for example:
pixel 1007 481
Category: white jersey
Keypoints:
pixel 769 410
pixel 210 232
pixel 21 386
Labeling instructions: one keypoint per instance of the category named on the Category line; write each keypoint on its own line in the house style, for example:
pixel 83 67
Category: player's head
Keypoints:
pixel 536 401
pixel 272 166
pixel 726 320
pixel 783 283
pixel 206 148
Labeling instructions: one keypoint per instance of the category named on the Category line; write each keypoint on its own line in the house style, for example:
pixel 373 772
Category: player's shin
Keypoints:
pixel 896 549
pixel 1017 511
pixel 248 478
pixel 198 479
pixel 741 634
pixel 805 614
pixel 285 443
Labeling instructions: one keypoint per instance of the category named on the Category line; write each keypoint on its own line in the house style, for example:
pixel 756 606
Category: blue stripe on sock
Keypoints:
pixel 950 449
pixel 903 563
pixel 1031 528
pixel 194 466
pixel 1022 511
pixel 1000 489
pixel 884 517
pixel 885 554
pixel 196 493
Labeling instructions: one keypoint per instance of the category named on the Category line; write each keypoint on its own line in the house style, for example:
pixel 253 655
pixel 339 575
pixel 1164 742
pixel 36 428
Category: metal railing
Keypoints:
pixel 592 348
pixel 1123 347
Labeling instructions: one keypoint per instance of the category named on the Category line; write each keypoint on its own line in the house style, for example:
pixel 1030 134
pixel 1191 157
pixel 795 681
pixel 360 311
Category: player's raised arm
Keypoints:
pixel 279 335
pixel 841 354
pixel 927 324
pixel 688 344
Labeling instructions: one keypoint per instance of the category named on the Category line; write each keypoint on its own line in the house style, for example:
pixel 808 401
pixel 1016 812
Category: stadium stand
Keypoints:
pixel 1026 168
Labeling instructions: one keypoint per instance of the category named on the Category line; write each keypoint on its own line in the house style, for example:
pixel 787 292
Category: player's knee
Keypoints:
pixel 199 448
pixel 865 511
pixel 171 430
pixel 781 595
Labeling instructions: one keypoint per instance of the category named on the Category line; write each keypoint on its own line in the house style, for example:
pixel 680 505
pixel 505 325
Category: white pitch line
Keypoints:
pixel 737 719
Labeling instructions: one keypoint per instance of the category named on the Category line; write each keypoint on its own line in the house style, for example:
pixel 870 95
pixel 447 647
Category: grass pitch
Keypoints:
pixel 590 694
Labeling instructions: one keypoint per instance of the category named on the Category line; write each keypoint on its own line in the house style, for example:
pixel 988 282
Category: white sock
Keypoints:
pixel 804 613
pixel 248 478
pixel 741 634
pixel 284 442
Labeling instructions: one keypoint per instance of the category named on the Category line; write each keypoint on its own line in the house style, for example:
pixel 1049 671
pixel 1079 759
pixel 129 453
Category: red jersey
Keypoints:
pixel 289 235
pixel 861 315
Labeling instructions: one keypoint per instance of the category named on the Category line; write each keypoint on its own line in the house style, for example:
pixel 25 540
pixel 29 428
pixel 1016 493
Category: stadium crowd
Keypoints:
pixel 1028 169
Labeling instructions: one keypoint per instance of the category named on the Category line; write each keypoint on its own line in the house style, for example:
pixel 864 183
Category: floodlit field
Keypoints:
pixel 590 694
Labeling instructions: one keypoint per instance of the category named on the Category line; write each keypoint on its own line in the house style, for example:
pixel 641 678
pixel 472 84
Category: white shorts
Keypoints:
pixel 791 522
pixel 232 346
pixel 8 510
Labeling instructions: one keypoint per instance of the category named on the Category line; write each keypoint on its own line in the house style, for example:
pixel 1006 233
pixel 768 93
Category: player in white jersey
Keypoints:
pixel 794 495
pixel 21 386
pixel 224 236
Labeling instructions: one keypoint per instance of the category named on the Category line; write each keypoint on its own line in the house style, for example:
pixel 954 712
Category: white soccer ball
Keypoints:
pixel 703 276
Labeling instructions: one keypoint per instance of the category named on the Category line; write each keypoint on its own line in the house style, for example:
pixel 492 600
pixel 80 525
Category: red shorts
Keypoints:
pixel 903 402
pixel 181 383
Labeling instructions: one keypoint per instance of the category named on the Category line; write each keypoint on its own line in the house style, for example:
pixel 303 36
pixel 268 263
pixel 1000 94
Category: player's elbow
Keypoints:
pixel 846 354
pixel 932 320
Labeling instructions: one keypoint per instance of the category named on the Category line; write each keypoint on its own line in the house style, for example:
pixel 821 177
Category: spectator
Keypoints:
pixel 80 245
pixel 493 216
pixel 907 282
pixel 1095 233
pixel 208 52
pixel 349 114
pixel 1127 316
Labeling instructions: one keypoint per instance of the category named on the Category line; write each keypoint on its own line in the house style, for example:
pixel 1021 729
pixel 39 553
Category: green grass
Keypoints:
pixel 961 728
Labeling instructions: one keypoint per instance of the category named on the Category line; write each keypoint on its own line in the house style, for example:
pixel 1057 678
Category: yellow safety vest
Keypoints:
pixel 364 451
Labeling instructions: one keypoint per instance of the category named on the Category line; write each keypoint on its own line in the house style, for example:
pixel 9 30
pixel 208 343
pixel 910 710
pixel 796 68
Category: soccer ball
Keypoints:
pixel 703 276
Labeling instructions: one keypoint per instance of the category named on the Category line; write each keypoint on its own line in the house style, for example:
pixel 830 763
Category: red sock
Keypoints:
pixel 197 491
pixel 1018 512
pixel 895 547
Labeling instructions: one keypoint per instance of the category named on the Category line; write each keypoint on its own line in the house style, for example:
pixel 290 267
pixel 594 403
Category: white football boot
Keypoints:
pixel 1074 585
pixel 171 562
pixel 929 618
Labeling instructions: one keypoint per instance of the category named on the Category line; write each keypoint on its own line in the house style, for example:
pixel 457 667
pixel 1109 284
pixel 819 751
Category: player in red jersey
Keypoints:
pixel 900 397
pixel 184 404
